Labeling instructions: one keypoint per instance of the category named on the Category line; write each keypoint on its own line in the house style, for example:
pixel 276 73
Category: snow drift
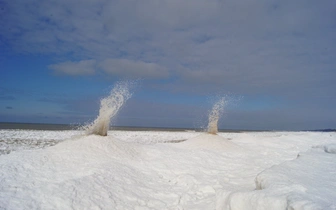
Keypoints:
pixel 95 172
pixel 307 182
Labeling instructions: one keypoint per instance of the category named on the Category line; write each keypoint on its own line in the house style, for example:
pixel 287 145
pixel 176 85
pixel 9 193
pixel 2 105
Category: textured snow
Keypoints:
pixel 168 170
pixel 13 140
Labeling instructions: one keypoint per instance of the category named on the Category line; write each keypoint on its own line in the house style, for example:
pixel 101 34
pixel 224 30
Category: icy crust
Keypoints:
pixel 329 148
pixel 11 134
pixel 307 182
pixel 94 172
pixel 16 140
pixel 153 137
pixel 208 141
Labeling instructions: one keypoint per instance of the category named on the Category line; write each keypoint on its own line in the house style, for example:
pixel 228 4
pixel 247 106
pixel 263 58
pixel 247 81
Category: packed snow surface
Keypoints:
pixel 167 170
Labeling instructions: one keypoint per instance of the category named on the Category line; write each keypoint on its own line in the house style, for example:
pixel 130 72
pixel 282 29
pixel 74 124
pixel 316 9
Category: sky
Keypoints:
pixel 274 61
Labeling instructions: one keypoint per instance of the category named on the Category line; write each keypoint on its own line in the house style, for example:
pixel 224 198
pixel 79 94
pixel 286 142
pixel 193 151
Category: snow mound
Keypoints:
pixel 77 172
pixel 137 170
pixel 153 137
pixel 208 142
pixel 328 148
pixel 104 147
pixel 304 183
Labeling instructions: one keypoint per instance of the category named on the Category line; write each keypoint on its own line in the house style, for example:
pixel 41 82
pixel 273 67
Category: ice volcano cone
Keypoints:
pixel 207 141
pixel 214 115
pixel 210 140
pixel 109 107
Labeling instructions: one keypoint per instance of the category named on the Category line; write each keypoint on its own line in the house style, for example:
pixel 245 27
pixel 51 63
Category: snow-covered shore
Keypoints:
pixel 168 170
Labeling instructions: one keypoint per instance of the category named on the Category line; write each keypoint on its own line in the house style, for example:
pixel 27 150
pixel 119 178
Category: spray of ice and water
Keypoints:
pixel 215 113
pixel 109 107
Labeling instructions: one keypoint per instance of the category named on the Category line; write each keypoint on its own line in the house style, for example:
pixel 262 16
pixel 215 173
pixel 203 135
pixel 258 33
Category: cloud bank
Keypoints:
pixel 281 48
pixel 263 43
pixel 84 67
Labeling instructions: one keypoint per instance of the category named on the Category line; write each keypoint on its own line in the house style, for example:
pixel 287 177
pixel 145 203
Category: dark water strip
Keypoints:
pixel 40 126
pixel 36 126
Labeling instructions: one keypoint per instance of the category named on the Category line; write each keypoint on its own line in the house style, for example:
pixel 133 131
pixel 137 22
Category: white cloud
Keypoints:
pixel 84 67
pixel 122 68
pixel 133 69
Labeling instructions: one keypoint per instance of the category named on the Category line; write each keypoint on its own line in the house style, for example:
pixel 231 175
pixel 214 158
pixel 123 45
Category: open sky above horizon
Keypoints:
pixel 274 61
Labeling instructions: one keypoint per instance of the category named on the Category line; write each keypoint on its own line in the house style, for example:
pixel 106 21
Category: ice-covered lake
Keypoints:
pixel 167 170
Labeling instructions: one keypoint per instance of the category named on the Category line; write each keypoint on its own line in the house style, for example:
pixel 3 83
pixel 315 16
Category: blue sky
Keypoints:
pixel 275 61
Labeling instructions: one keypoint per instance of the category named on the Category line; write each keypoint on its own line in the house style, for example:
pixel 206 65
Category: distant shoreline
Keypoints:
pixel 54 127
pixel 36 126
pixel 49 126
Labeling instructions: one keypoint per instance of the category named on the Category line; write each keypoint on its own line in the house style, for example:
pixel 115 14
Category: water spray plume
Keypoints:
pixel 109 107
pixel 214 115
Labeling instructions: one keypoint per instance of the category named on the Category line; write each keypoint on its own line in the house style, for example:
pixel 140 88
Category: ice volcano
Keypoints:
pixel 210 140
pixel 109 107
pixel 215 113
